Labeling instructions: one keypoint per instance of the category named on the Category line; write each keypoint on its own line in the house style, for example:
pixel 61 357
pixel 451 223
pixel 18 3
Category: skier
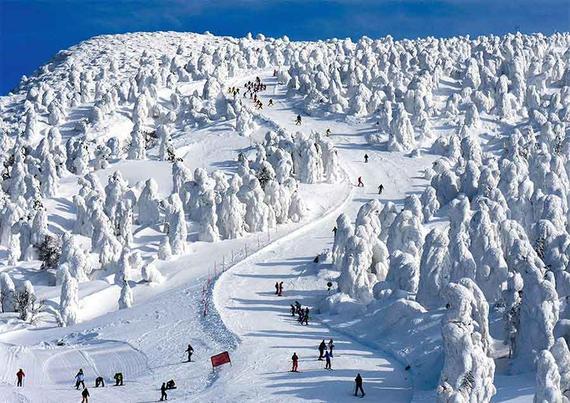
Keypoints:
pixel 358 381
pixel 79 379
pixel 365 158
pixel 293 310
pixel 380 189
pixel 20 375
pixel 306 317
pixel 277 288
pixel 270 102
pixel 280 293
pixel 118 379
pixel 99 382
pixel 298 307
pixel 85 395
pixel 322 348
pixel 298 121
pixel 295 360
pixel 301 316
pixel 328 360
pixel 189 350
pixel 328 132
pixel 360 183
pixel 331 347
pixel 163 395
pixel 335 229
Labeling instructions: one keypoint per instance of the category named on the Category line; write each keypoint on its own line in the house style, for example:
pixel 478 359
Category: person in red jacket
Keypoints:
pixel 295 360
pixel 20 375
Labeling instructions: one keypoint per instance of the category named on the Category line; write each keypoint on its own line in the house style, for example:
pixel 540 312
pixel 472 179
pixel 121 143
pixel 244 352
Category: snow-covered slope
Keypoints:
pixel 156 186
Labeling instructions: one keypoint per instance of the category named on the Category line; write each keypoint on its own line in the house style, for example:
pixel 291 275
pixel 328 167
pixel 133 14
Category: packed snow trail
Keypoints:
pixel 269 334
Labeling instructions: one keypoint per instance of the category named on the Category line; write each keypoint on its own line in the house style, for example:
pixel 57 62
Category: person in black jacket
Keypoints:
pixel 358 382
pixel 190 351
pixel 85 396
pixel 322 348
pixel 163 395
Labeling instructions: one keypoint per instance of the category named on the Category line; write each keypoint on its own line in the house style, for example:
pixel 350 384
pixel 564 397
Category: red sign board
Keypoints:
pixel 220 359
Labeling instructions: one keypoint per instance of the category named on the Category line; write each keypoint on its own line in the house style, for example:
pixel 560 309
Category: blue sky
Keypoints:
pixel 31 31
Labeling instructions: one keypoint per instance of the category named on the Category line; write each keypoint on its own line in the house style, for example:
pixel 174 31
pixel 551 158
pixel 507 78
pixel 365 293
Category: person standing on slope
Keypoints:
pixel 380 189
pixel 365 158
pixel 306 317
pixel 298 121
pixel 358 382
pixel 360 183
pixel 163 395
pixel 80 379
pixel 331 347
pixel 280 289
pixel 20 376
pixel 190 351
pixel 328 360
pixel 85 395
pixel 322 348
pixel 277 288
pixel 295 359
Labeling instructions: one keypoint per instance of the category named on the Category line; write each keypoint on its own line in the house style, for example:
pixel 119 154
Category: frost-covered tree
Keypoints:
pixel 148 204
pixel 126 296
pixel 468 371
pixel 547 379
pixel 231 212
pixel 69 300
pixel 164 249
pixel 137 147
pixel 177 231
pixel 151 274
pixel 435 269
pixel 7 293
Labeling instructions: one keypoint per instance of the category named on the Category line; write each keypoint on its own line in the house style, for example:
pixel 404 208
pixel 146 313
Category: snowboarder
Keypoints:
pixel 358 382
pixel 280 293
pixel 328 360
pixel 298 121
pixel 270 102
pixel 360 183
pixel 293 310
pixel 306 317
pixel 79 379
pixel 99 382
pixel 189 350
pixel 322 348
pixel 295 360
pixel 365 158
pixel 331 347
pixel 277 288
pixel 20 375
pixel 118 379
pixel 85 395
pixel 380 189
pixel 163 395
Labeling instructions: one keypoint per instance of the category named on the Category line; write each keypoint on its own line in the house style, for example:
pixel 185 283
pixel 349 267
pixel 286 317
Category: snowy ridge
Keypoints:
pixel 138 167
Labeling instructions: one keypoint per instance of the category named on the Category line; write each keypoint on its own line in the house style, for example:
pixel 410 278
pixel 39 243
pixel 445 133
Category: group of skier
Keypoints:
pixel 326 352
pixel 297 309
pixel 252 88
